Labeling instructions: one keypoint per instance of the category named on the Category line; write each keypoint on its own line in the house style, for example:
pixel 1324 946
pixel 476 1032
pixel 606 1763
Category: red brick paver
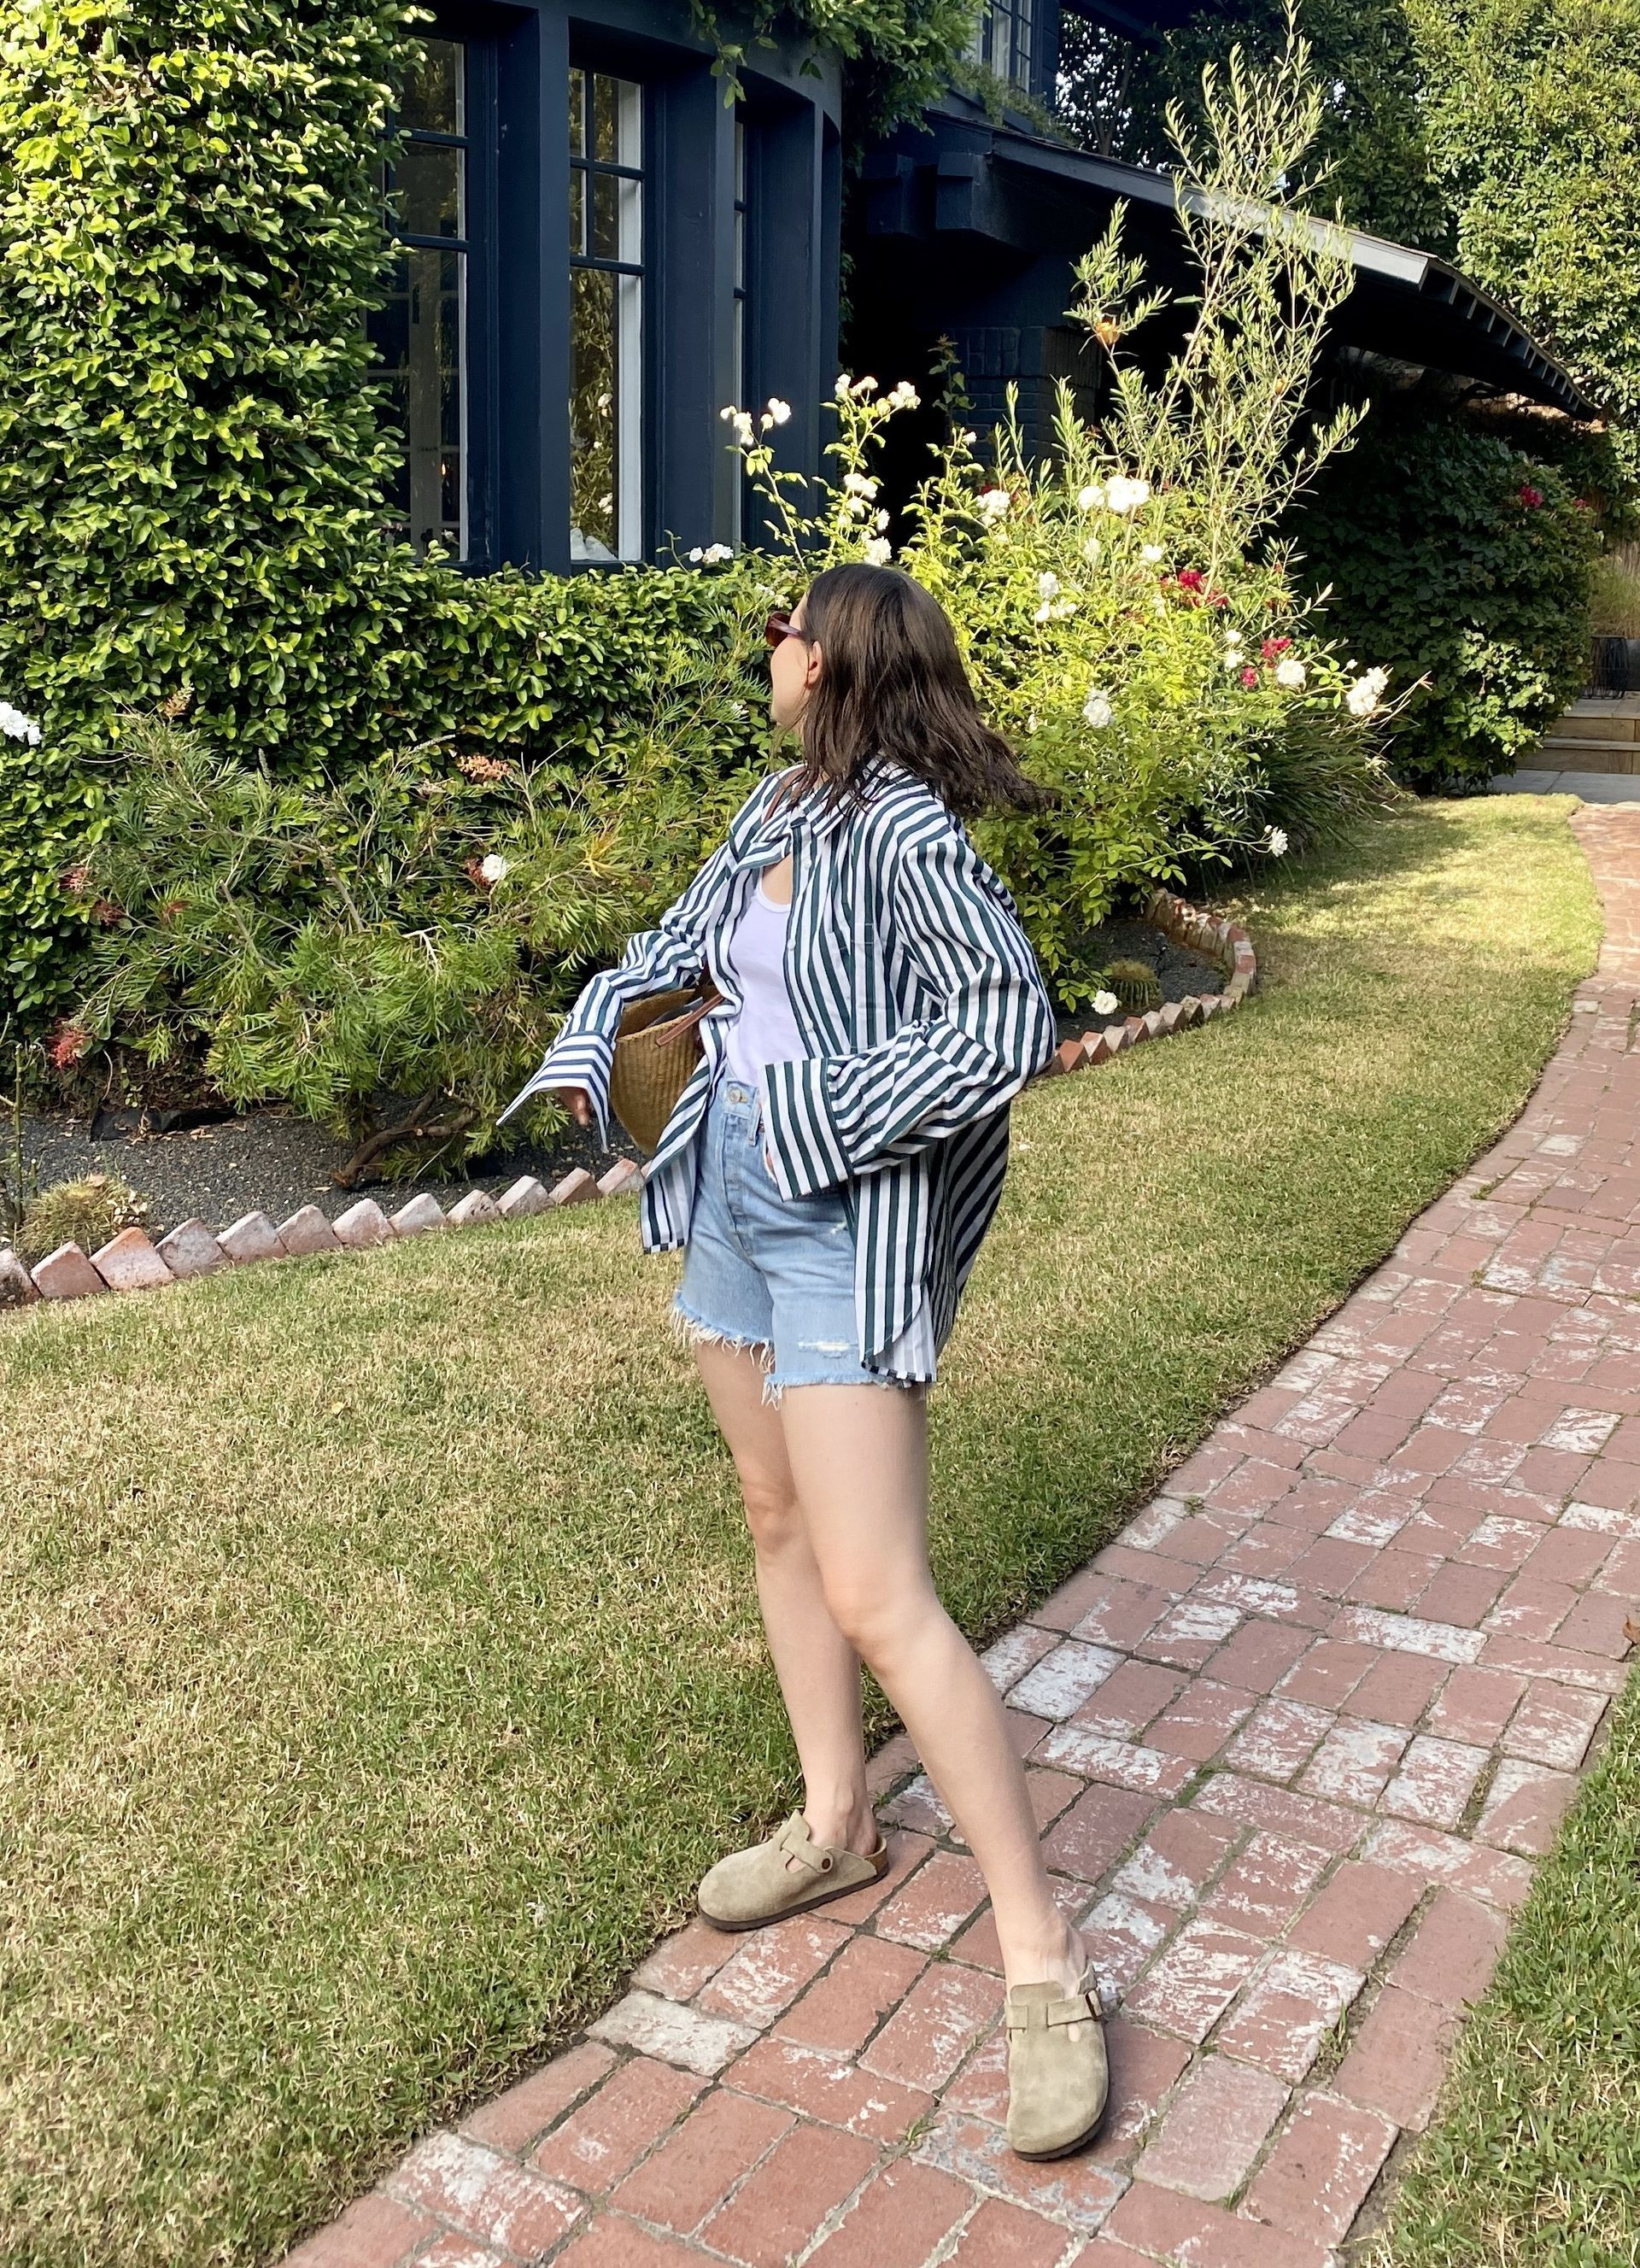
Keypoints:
pixel 1298 1739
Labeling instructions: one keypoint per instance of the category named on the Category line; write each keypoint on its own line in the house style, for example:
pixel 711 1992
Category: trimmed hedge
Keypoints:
pixel 192 475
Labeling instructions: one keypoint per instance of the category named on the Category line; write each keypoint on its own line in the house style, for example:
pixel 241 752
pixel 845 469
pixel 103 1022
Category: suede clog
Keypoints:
pixel 751 1888
pixel 1058 2081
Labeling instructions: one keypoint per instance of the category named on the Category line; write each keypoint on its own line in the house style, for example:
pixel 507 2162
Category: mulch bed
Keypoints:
pixel 269 1161
pixel 1179 970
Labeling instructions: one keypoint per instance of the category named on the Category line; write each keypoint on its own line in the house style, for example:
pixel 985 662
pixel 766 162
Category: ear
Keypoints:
pixel 813 666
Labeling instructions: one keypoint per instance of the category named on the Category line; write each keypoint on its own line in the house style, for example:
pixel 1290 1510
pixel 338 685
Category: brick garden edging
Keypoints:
pixel 132 1262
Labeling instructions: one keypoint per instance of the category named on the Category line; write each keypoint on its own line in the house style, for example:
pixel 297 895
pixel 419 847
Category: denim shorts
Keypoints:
pixel 765 1271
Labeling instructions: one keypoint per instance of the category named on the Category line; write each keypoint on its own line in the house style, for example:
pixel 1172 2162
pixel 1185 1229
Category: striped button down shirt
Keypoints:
pixel 922 1011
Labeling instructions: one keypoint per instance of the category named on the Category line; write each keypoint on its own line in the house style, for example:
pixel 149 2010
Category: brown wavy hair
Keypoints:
pixel 894 685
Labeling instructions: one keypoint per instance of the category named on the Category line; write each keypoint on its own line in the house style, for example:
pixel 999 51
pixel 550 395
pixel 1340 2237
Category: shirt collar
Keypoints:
pixel 819 818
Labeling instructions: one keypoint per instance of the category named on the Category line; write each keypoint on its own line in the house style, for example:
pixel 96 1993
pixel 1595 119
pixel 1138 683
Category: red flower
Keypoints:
pixel 1249 676
pixel 473 869
pixel 1273 649
pixel 1529 496
pixel 1190 578
pixel 69 1043
pixel 1581 504
pixel 107 913
pixel 1218 599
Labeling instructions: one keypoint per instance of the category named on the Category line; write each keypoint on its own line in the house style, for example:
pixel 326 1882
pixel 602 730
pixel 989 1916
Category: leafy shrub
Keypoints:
pixel 1122 616
pixel 389 955
pixel 1454 558
pixel 86 1212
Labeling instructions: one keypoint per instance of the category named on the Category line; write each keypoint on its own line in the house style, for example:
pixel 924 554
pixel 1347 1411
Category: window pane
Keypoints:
pixel 607 366
pixel 427 178
pixel 606 216
pixel 418 335
pixel 594 415
pixel 432 100
pixel 606 119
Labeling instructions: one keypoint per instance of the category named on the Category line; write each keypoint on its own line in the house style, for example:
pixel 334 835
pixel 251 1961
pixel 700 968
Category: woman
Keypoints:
pixel 831 1168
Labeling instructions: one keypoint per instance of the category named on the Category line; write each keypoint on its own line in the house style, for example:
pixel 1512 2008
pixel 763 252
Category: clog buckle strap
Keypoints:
pixel 796 1841
pixel 1034 2015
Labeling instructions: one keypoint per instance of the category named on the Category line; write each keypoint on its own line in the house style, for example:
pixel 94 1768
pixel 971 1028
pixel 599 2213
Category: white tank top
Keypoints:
pixel 765 1031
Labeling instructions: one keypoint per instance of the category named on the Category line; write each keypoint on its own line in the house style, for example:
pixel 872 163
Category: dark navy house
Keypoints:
pixel 596 255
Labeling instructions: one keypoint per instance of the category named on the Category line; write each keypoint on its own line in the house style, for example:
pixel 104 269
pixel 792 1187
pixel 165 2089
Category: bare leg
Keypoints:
pixel 818 1668
pixel 858 1456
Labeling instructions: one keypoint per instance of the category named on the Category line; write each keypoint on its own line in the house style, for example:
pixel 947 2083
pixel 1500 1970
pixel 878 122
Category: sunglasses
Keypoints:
pixel 779 626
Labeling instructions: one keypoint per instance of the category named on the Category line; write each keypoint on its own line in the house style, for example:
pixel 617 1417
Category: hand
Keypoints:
pixel 576 1101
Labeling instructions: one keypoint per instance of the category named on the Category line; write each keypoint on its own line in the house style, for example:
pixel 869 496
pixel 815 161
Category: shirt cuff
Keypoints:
pixel 805 1141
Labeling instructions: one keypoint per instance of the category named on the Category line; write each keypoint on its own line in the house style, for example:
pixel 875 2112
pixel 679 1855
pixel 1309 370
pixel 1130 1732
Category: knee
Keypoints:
pixel 771 1515
pixel 880 1611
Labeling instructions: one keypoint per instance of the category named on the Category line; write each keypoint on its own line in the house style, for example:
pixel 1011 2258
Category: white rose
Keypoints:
pixel 1091 550
pixel 16 727
pixel 1363 697
pixel 904 396
pixel 1097 709
pixel 1276 843
pixel 881 522
pixel 864 386
pixel 1151 553
pixel 857 485
pixel 995 501
pixel 1089 498
pixel 745 431
pixel 1289 671
pixel 841 390
pixel 715 553
pixel 495 868
pixel 729 413
pixel 778 410
pixel 879 551
pixel 1047 586
pixel 1042 612
pixel 1106 1004
pixel 1233 637
pixel 1122 495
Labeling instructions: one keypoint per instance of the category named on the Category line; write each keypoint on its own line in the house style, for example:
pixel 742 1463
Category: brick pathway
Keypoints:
pixel 1295 1740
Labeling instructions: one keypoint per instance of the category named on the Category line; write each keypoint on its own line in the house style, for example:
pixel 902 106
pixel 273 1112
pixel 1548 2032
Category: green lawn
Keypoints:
pixel 1534 2160
pixel 376 1637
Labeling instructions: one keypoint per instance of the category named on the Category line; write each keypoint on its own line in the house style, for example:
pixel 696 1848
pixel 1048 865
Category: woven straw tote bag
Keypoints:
pixel 658 1044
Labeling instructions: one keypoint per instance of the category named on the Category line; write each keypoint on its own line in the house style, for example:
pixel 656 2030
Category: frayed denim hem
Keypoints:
pixel 774 1387
pixel 690 1331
